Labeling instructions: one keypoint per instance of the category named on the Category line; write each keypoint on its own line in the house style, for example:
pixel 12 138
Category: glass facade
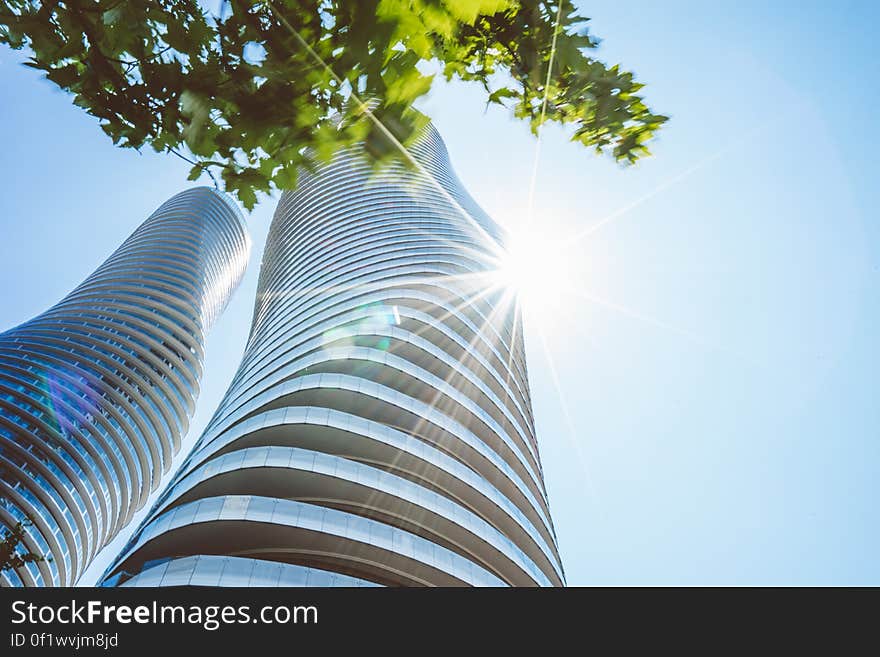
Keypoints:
pixel 379 428
pixel 97 392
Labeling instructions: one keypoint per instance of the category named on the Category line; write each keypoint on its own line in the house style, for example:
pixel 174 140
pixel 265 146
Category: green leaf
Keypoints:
pixel 247 197
pixel 499 95
pixel 167 74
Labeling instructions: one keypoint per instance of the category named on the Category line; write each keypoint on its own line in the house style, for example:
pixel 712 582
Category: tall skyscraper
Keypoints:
pixel 379 428
pixel 97 392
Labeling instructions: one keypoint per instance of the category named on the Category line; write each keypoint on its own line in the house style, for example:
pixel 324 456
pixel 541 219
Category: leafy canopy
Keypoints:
pixel 255 90
pixel 11 557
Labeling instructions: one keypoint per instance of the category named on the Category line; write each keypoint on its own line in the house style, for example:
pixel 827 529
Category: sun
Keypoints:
pixel 534 266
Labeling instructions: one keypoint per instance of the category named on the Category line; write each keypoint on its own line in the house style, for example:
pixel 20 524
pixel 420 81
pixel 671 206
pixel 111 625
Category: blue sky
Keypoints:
pixel 707 397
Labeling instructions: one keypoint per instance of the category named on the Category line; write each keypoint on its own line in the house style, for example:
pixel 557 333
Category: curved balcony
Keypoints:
pixel 97 392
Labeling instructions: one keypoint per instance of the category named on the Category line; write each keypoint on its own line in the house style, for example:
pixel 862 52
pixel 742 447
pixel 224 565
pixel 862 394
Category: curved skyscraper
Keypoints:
pixel 96 392
pixel 379 428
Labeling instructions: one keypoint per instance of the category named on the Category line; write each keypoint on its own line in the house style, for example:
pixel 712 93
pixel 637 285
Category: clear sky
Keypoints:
pixel 706 392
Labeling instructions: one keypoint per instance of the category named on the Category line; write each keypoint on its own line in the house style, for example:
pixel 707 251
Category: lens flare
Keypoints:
pixel 536 268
